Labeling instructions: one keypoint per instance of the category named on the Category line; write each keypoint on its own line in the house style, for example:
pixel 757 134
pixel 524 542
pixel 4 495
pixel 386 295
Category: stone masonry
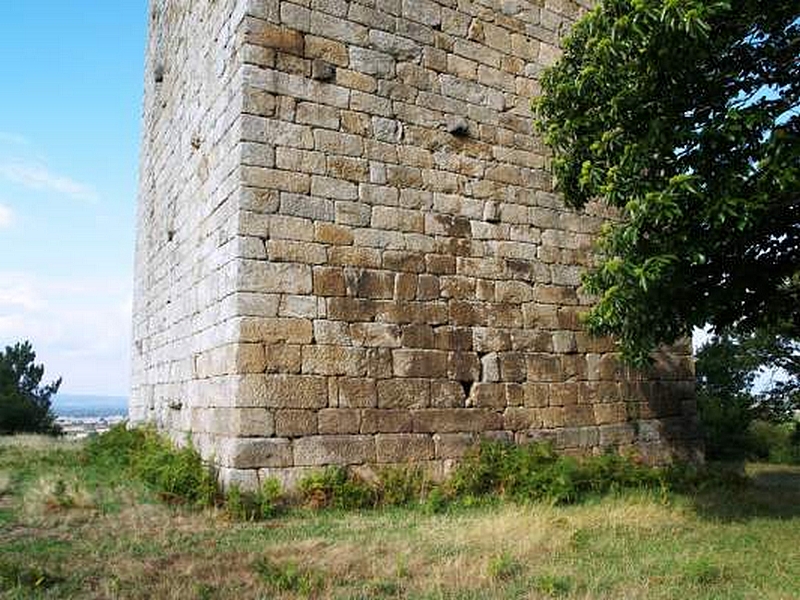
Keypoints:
pixel 349 251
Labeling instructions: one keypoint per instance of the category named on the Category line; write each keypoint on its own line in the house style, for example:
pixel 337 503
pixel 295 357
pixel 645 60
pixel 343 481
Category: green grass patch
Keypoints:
pixel 417 540
pixel 18 577
pixel 288 577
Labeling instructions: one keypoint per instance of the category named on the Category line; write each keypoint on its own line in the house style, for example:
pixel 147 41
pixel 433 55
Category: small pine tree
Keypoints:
pixel 25 406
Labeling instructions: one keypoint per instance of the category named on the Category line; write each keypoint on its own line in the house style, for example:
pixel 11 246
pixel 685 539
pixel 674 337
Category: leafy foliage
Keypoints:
pixel 265 503
pixel 536 472
pixel 25 405
pixel 335 487
pixel 176 474
pixel 774 442
pixel 683 116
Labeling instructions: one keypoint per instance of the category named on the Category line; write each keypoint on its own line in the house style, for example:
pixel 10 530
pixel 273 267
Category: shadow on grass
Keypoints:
pixel 771 491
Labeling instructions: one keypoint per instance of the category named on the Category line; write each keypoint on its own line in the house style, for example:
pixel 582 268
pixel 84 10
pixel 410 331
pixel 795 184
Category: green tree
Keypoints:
pixel 683 116
pixel 729 402
pixel 25 405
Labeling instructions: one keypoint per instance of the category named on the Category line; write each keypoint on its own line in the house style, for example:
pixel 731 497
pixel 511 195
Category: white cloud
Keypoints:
pixel 37 176
pixel 79 328
pixel 6 216
pixel 13 138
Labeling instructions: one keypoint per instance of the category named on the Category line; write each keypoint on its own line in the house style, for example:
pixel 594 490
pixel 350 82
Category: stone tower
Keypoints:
pixel 349 250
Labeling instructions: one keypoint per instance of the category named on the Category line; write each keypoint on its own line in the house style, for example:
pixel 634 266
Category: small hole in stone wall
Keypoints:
pixel 158 73
pixel 458 127
pixel 467 387
pixel 322 70
pixel 170 235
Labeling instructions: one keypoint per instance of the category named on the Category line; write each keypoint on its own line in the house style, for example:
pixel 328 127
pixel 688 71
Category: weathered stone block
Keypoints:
pixel 339 420
pixel 334 450
pixel 386 420
pixel 453 445
pixel 276 331
pixel 295 391
pixel 248 453
pixel 403 447
pixel 357 393
pixel 262 33
pixel 456 419
pixel 420 363
pixel 404 393
pixel 334 360
pixel 294 423
pixel 517 419
pixel 488 395
pixel 282 358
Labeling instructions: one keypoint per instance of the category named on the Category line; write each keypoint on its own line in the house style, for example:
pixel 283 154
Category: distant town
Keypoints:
pixel 83 415
pixel 81 427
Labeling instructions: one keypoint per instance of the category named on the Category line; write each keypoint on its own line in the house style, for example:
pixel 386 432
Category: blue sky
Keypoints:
pixel 70 106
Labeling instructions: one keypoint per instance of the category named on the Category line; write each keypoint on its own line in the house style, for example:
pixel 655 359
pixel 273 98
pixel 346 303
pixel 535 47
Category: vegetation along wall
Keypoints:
pixel 349 249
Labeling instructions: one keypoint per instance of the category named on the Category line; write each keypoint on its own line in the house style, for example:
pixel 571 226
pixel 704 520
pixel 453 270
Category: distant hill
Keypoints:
pixel 76 405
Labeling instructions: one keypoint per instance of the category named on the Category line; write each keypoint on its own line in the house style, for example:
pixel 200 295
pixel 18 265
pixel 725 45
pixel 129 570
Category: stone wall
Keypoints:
pixel 349 247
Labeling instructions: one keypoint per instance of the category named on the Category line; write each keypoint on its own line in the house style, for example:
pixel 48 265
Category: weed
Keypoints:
pixel 504 567
pixel 436 502
pixel 235 504
pixel 288 577
pixel 536 472
pixel 203 591
pixel 382 588
pixel 14 576
pixel 265 503
pixel 56 494
pixel 334 487
pixel 403 486
pixel 553 585
pixel 269 497
pixel 702 572
pixel 581 539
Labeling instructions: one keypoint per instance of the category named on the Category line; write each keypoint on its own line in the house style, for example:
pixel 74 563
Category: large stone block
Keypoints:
pixel 403 447
pixel 420 363
pixel 294 423
pixel 248 453
pixel 334 450
pixel 295 391
pixel 456 419
pixel 404 393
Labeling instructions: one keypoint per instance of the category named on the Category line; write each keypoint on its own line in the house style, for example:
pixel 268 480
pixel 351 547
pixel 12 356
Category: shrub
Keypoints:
pixel 536 472
pixel 776 443
pixel 265 503
pixel 269 498
pixel 334 487
pixel 403 486
pixel 175 474
pixel 724 423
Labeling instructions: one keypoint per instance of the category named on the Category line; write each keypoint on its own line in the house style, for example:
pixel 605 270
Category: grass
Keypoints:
pixel 70 528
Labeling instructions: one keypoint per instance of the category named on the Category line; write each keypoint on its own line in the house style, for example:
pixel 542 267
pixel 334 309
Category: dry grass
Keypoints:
pixel 636 546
